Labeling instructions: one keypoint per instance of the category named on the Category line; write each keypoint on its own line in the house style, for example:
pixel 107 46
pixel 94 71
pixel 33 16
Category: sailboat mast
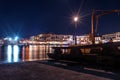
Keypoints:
pixel 92 27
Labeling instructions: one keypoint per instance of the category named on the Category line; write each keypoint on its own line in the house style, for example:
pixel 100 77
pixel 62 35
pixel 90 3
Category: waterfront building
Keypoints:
pixel 98 40
pixel 1 41
pixel 68 39
pixel 81 40
pixel 51 37
pixel 114 37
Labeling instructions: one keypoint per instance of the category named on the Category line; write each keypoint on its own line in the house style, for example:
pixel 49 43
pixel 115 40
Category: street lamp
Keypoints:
pixel 75 20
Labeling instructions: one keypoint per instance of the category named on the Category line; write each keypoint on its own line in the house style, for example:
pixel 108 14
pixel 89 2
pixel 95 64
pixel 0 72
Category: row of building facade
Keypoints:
pixel 69 39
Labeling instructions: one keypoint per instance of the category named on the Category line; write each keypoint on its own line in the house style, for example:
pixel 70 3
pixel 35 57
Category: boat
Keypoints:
pixel 102 54
pixel 107 54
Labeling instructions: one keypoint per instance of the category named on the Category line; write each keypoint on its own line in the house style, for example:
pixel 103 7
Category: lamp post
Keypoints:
pixel 75 20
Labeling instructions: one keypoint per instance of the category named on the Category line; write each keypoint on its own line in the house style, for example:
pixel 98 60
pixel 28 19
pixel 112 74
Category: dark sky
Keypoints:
pixel 31 17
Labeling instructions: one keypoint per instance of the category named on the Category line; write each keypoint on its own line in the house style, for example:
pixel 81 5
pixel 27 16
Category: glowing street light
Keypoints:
pixel 75 20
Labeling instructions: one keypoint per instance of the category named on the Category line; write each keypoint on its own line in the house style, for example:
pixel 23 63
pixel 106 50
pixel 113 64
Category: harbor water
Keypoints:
pixel 17 53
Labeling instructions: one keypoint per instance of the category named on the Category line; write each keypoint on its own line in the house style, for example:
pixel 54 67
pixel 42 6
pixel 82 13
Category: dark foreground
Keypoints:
pixel 43 70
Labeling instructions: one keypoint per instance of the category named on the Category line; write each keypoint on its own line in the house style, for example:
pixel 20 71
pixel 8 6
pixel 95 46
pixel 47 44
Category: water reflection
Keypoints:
pixel 9 53
pixel 15 53
pixel 12 53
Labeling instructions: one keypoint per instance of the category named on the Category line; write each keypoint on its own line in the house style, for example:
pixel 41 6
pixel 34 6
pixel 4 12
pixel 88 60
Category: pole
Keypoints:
pixel 92 26
pixel 75 33
pixel 75 20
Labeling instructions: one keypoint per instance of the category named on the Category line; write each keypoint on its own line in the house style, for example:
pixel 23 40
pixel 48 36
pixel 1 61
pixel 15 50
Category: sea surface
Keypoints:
pixel 17 53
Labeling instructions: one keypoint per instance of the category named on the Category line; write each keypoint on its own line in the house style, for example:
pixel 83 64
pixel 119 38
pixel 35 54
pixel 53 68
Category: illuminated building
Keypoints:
pixel 61 38
pixel 1 41
pixel 51 37
pixel 115 37
pixel 10 40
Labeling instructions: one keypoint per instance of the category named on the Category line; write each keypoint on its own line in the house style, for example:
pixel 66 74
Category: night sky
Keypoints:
pixel 26 18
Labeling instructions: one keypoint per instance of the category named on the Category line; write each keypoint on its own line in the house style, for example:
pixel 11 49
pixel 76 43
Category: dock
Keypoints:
pixel 43 70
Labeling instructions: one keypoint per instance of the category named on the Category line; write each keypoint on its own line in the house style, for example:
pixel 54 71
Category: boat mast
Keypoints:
pixel 92 26
pixel 94 20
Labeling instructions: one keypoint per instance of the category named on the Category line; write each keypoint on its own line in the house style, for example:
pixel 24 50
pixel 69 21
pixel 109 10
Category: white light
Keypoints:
pixel 16 38
pixel 10 39
pixel 76 19
pixel 9 53
pixel 15 53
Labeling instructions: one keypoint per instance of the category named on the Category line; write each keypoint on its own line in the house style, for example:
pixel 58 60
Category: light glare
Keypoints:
pixel 76 19
pixel 10 39
pixel 16 38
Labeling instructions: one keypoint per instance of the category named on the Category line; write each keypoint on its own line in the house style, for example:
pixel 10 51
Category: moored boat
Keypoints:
pixel 103 54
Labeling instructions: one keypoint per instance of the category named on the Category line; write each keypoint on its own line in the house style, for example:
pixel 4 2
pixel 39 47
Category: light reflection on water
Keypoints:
pixel 9 53
pixel 15 53
pixel 12 53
